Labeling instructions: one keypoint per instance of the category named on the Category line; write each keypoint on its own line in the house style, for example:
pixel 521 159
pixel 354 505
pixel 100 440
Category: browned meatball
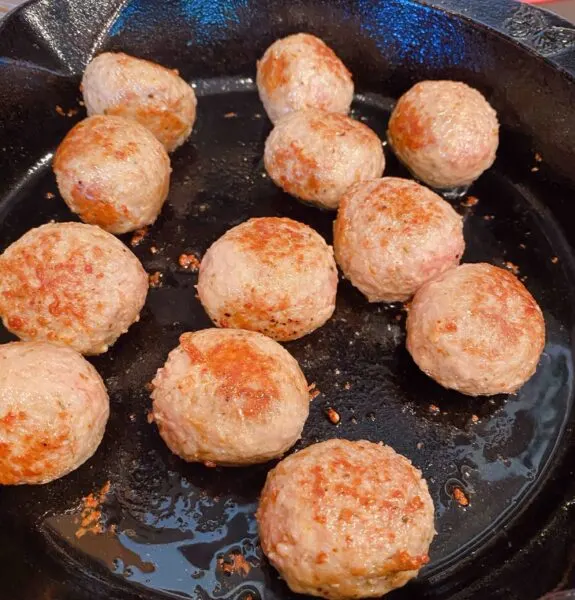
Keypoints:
pixel 445 132
pixel 53 412
pixel 315 155
pixel 392 235
pixel 71 284
pixel 113 173
pixel 271 275
pixel 346 520
pixel 299 72
pixel 476 329
pixel 230 397
pixel 115 83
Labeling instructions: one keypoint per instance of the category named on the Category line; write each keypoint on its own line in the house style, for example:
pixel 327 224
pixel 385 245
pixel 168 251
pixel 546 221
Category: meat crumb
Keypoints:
pixel 210 464
pixel 49 196
pixel 474 419
pixel 470 201
pixel 333 416
pixel 190 262
pixel 150 417
pixel 538 157
pixel 149 386
pixel 132 417
pixel 91 515
pixel 460 497
pixel 534 169
pixel 419 445
pixel 488 218
pixel 60 110
pixel 154 250
pixel 81 103
pixel 512 267
pixel 554 260
pixel 522 246
pixel 72 112
pixel 434 409
pixel 347 386
pixel 313 392
pixel 236 563
pixel 155 279
pixel 230 115
pixel 138 236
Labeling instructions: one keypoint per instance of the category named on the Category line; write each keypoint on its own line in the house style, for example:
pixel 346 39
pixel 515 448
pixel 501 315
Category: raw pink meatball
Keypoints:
pixel 476 329
pixel 445 132
pixel 315 155
pixel 115 83
pixel 300 72
pixel 113 173
pixel 53 412
pixel 271 275
pixel 346 520
pixel 71 284
pixel 230 397
pixel 392 235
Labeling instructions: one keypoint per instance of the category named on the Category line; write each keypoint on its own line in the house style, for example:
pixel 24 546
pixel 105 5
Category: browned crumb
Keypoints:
pixel 149 386
pixel 538 157
pixel 81 103
pixel 511 267
pixel 138 236
pixel 488 218
pixel 154 250
pixel 155 279
pixel 398 317
pixel 470 201
pixel 49 195
pixel 333 416
pixel 554 260
pixel 150 417
pixel 236 563
pixel 522 246
pixel 91 515
pixel 474 419
pixel 433 409
pixel 460 497
pixel 189 262
pixel 347 386
pixel 419 445
pixel 72 112
pixel 230 115
pixel 534 169
pixel 257 116
pixel 313 392
pixel 60 110
pixel 210 464
pixel 132 417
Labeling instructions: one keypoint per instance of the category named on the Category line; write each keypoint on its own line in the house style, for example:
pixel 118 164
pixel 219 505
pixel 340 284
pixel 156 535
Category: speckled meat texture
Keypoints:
pixel 230 397
pixel 445 132
pixel 118 84
pixel 300 72
pixel 392 235
pixel 53 412
pixel 346 520
pixel 315 155
pixel 71 284
pixel 113 173
pixel 271 275
pixel 476 329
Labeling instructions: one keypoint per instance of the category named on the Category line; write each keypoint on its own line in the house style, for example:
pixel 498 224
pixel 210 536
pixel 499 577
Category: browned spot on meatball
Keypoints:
pixel 92 208
pixel 273 71
pixel 408 129
pixel 332 62
pixel 244 374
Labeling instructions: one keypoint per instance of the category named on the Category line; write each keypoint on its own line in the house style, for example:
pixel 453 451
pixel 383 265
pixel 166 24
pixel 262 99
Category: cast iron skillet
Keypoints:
pixel 171 527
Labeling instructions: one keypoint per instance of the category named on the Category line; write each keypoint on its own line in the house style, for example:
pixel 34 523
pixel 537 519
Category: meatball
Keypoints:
pixel 392 235
pixel 445 132
pixel 115 83
pixel 300 72
pixel 113 173
pixel 476 329
pixel 230 397
pixel 271 275
pixel 346 520
pixel 53 412
pixel 315 155
pixel 72 284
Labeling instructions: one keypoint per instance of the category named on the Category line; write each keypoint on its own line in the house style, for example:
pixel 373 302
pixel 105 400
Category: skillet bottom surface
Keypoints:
pixel 177 529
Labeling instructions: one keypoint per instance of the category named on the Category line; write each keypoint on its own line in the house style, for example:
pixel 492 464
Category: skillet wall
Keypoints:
pixel 388 45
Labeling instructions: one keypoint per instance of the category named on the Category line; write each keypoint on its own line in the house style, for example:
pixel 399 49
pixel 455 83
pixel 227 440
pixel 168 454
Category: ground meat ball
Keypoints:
pixel 476 329
pixel 53 412
pixel 271 275
pixel 300 72
pixel 113 173
pixel 392 235
pixel 118 84
pixel 346 520
pixel 315 155
pixel 230 397
pixel 445 132
pixel 72 284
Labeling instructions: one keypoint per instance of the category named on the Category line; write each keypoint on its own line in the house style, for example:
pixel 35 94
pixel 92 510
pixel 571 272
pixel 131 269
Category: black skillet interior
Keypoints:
pixel 169 524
